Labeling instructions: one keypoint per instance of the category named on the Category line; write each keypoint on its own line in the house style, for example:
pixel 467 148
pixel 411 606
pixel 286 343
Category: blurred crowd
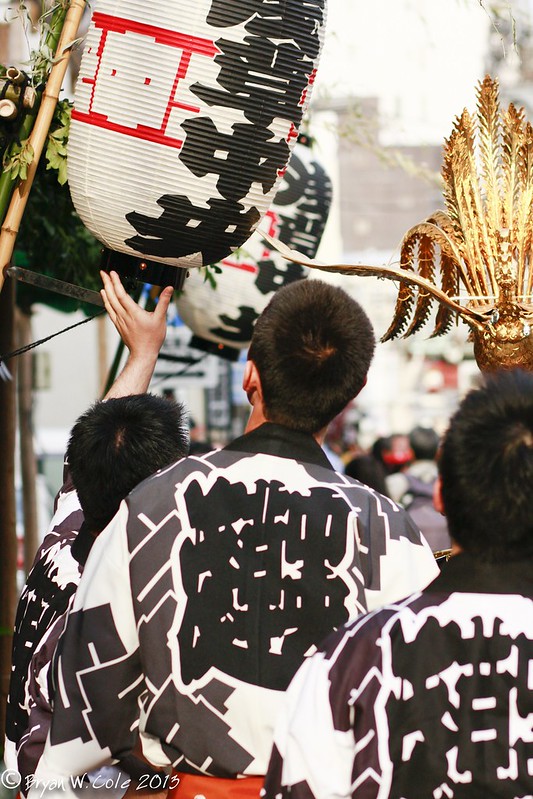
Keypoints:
pixel 402 466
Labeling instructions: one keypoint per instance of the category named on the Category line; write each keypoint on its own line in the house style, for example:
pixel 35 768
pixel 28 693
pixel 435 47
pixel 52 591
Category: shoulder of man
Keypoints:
pixel 356 640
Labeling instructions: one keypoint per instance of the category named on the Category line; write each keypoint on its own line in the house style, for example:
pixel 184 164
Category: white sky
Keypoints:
pixel 422 58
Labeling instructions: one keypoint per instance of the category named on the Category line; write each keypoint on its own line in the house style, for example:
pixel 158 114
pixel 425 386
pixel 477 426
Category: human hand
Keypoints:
pixel 143 332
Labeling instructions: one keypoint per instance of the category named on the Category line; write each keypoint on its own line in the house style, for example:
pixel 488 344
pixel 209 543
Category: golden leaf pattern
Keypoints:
pixel 475 257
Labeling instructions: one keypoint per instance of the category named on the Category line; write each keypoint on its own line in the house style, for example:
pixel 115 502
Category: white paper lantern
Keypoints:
pixel 184 117
pixel 222 319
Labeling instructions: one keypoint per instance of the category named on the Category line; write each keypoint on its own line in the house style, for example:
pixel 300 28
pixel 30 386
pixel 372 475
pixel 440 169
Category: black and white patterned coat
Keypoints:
pixel 200 600
pixel 429 697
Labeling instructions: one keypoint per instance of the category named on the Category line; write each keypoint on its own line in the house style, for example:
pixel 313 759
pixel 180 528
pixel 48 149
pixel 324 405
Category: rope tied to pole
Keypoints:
pixel 5 374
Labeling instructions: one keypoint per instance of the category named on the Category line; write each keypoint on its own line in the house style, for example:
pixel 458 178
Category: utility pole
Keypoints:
pixel 28 463
pixel 8 518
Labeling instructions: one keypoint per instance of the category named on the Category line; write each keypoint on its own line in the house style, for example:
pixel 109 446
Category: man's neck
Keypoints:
pixel 257 418
pixel 258 415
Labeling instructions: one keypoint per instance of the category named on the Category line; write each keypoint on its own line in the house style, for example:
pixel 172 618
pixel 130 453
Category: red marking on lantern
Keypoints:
pixel 182 41
pixel 307 89
pixel 252 267
pixel 243 266
pixel 273 229
pixel 189 45
pixel 293 133
pixel 273 222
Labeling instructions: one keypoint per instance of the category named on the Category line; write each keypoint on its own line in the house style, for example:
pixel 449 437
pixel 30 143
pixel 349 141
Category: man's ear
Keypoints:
pixel 251 382
pixel 437 496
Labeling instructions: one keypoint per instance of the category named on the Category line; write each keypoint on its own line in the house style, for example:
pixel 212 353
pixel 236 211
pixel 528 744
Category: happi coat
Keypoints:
pixel 199 601
pixel 41 611
pixel 429 697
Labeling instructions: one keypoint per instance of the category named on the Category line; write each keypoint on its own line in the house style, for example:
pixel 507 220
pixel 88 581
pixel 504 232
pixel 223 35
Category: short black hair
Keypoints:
pixel 116 444
pixel 486 468
pixel 424 442
pixel 312 347
pixel 368 470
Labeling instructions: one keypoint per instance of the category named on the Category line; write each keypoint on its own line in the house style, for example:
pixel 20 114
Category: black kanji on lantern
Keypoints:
pixel 245 156
pixel 238 330
pixel 215 230
pixel 260 78
pixel 275 273
pixel 275 19
pixel 264 77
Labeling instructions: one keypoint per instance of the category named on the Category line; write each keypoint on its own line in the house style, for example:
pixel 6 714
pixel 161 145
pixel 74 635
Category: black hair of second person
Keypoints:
pixel 368 470
pixel 424 442
pixel 486 467
pixel 118 443
pixel 312 347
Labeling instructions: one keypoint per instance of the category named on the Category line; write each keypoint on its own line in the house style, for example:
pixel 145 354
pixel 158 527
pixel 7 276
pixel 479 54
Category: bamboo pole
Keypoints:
pixel 13 92
pixel 7 183
pixel 50 43
pixel 37 138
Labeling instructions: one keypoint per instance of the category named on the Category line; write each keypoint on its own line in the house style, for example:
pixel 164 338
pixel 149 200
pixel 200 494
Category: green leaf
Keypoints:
pixel 55 242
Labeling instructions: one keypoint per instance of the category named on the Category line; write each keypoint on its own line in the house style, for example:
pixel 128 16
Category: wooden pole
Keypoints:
pixel 8 520
pixel 28 463
pixel 39 133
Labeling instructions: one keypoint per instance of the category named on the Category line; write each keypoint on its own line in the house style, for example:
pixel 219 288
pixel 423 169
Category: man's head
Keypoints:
pixel 118 443
pixel 486 469
pixel 311 347
pixel 424 441
pixel 396 453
